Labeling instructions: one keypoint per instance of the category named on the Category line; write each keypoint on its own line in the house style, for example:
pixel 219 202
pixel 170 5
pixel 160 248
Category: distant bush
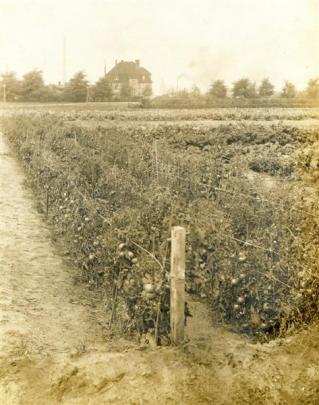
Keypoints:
pixel 209 101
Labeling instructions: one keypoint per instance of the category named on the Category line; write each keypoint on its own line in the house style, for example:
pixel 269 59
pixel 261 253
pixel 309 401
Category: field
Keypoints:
pixel 234 187
pixel 112 182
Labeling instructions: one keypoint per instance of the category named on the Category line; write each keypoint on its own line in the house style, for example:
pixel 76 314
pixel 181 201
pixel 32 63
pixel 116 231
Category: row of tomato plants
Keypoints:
pixel 114 193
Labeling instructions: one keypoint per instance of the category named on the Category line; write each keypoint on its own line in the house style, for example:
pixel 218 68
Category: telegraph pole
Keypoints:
pixel 64 62
pixel 87 93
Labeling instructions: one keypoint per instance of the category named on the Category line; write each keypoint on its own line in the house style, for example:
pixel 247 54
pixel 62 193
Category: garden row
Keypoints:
pixel 216 114
pixel 114 193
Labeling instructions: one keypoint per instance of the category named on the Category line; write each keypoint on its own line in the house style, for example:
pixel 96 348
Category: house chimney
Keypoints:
pixel 137 63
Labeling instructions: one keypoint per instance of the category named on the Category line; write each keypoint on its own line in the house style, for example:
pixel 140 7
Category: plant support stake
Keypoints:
pixel 177 278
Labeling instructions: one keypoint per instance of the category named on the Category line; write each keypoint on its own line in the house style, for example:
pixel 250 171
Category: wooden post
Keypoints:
pixel 177 308
pixel 47 202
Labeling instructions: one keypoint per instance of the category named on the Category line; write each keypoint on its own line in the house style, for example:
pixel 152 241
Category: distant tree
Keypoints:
pixel 218 89
pixel 33 87
pixel 244 88
pixel 55 93
pixel 126 92
pixel 76 89
pixel 312 90
pixel 289 90
pixel 102 90
pixel 12 86
pixel 266 89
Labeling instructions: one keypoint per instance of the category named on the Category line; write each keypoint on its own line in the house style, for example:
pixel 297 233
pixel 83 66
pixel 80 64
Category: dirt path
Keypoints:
pixel 52 349
pixel 38 300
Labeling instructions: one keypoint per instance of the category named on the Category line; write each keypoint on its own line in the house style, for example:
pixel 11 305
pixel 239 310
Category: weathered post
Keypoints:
pixel 177 276
pixel 47 202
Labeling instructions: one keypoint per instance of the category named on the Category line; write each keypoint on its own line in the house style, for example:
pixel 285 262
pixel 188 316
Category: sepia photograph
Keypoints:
pixel 159 202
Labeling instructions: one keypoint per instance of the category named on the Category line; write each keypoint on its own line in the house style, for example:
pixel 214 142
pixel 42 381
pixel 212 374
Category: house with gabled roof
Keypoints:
pixel 130 77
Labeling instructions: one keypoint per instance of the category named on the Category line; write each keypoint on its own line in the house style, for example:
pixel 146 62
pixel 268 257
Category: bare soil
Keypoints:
pixel 54 348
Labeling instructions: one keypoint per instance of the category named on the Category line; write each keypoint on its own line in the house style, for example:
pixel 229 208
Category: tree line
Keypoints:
pixel 242 93
pixel 32 88
pixel 245 88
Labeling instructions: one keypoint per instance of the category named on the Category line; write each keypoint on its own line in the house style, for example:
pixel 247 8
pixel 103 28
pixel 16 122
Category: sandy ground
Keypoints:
pixel 53 348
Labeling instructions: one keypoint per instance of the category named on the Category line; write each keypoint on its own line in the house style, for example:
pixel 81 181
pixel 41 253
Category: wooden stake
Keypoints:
pixel 47 202
pixel 177 308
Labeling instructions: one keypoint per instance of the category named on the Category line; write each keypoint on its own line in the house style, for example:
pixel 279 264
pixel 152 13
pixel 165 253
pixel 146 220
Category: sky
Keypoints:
pixel 181 42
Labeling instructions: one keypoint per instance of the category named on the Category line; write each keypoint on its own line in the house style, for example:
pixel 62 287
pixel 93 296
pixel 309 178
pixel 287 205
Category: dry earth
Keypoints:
pixel 54 350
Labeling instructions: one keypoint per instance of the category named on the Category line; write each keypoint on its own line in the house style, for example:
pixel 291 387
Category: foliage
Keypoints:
pixel 308 159
pixel 218 89
pixel 76 90
pixel 244 88
pixel 171 115
pixel 174 101
pixel 102 90
pixel 312 90
pixel 272 166
pixel 266 89
pixel 54 93
pixel 114 200
pixel 12 84
pixel 289 90
pixel 32 87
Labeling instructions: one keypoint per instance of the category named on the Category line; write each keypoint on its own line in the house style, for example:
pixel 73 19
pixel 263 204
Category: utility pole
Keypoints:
pixel 64 62
pixel 87 93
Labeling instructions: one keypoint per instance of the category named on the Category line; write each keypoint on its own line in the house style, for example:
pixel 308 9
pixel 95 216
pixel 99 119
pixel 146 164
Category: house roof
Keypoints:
pixel 123 71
